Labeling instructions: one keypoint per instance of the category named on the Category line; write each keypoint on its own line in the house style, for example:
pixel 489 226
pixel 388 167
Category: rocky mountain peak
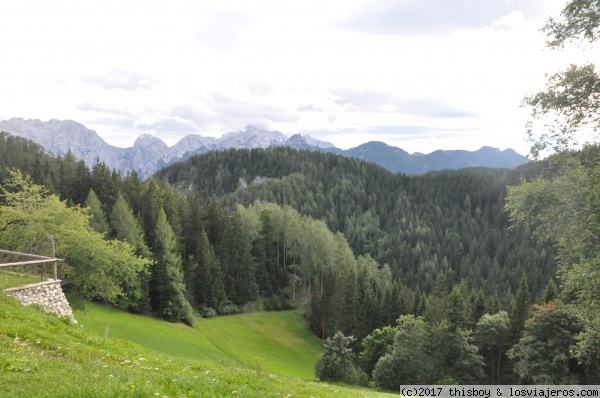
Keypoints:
pixel 148 140
pixel 150 153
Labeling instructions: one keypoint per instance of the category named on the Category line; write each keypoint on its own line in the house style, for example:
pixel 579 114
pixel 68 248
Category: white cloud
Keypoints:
pixel 453 73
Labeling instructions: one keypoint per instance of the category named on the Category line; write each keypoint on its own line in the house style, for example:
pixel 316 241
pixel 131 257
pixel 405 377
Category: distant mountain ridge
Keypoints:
pixel 149 153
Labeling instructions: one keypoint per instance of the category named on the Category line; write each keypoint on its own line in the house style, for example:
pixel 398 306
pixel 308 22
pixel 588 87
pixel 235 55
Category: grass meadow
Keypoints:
pixel 250 355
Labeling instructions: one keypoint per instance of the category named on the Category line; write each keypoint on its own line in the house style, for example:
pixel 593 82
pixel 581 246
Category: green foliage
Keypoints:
pixel 565 203
pixel 97 218
pixel 336 361
pixel 550 293
pixel 410 361
pixel 544 355
pixel 166 285
pixel 30 216
pixel 567 107
pixel 493 338
pixel 566 206
pixel 419 226
pixel 580 20
pixel 456 355
pixel 520 309
pixel 376 345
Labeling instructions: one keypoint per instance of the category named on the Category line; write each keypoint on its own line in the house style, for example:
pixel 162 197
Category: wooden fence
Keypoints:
pixel 41 260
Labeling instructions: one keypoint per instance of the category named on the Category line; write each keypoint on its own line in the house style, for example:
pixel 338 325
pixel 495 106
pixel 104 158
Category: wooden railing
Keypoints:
pixel 41 260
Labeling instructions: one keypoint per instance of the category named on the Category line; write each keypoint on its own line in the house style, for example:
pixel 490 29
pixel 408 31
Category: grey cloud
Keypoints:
pixel 120 80
pixel 170 125
pixel 122 122
pixel 405 132
pixel 432 17
pixel 190 115
pixel 378 101
pixel 250 113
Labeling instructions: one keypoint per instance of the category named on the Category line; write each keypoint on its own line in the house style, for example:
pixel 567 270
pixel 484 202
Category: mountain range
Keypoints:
pixel 149 153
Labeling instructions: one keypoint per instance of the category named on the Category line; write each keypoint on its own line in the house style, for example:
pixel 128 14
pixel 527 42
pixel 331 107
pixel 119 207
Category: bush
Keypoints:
pixel 227 307
pixel 335 363
pixel 362 379
pixel 187 314
pixel 208 312
pixel 277 302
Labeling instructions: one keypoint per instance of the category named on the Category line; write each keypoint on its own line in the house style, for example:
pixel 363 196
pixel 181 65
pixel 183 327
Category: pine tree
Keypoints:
pixel 550 292
pixel 166 287
pixel 125 227
pixel 97 217
pixel 456 310
pixel 520 308
pixel 209 286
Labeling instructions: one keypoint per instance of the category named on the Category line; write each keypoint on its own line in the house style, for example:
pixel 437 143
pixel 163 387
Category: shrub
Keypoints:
pixel 208 312
pixel 335 363
pixel 227 307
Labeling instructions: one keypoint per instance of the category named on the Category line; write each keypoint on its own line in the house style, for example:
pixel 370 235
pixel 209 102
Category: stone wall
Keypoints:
pixel 48 295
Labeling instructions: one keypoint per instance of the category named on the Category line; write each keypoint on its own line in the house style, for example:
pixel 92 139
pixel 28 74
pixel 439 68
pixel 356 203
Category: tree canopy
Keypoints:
pixel 29 216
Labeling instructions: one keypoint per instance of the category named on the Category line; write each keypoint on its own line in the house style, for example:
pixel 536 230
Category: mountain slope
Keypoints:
pixel 284 343
pixel 149 153
pixel 418 225
pixel 43 356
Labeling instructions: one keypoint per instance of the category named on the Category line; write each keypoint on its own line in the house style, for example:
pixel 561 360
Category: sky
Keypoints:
pixel 421 75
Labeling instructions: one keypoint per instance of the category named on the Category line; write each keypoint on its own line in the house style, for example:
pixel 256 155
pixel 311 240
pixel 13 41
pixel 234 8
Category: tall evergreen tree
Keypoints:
pixel 97 217
pixel 520 308
pixel 210 287
pixel 125 227
pixel 166 285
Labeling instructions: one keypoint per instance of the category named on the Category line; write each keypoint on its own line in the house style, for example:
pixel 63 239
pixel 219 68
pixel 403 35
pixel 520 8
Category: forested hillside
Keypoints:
pixel 451 221
pixel 360 249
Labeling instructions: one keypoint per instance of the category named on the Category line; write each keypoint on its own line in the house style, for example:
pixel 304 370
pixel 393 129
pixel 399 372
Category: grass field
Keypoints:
pixel 12 279
pixel 44 356
pixel 275 342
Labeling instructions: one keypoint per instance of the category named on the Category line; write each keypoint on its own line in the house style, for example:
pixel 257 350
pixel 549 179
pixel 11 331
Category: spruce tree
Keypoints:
pixel 167 287
pixel 125 227
pixel 520 308
pixel 97 217
pixel 550 292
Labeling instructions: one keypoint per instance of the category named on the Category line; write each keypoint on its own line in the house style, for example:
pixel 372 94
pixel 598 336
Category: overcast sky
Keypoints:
pixel 418 74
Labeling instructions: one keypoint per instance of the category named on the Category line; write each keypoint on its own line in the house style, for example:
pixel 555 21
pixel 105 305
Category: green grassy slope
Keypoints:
pixel 276 342
pixel 43 356
pixel 12 279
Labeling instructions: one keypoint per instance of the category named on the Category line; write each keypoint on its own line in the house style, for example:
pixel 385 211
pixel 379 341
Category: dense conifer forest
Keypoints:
pixel 450 221
pixel 362 250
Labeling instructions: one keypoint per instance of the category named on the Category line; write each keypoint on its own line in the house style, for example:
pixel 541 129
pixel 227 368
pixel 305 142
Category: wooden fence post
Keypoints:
pixel 54 256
